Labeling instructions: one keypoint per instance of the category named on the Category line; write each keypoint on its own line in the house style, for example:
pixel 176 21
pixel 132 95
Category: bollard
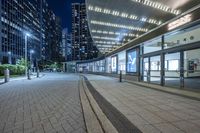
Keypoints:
pixel 38 73
pixel 29 74
pixel 7 75
pixel 120 76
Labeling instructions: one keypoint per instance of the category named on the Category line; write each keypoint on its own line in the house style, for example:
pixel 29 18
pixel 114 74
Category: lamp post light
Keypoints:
pixel 26 50
pixel 9 57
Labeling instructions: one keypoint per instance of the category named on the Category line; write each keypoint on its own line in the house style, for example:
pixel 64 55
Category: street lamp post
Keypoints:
pixel 26 50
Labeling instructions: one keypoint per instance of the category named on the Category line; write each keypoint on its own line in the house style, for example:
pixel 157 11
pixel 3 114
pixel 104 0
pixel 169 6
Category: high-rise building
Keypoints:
pixel 51 35
pixel 66 45
pixel 19 17
pixel 82 42
pixel 64 42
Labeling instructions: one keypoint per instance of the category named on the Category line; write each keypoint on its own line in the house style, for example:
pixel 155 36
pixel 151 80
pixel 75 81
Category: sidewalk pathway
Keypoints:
pixel 150 110
pixel 49 104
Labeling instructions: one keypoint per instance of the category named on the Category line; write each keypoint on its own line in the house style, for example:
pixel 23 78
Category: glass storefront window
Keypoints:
pixel 146 65
pixel 182 37
pixel 172 69
pixel 192 69
pixel 91 67
pixel 132 61
pixel 122 62
pixel 155 67
pixel 108 64
pixel 101 65
pixel 145 69
pixel 174 65
pixel 114 64
pixel 152 45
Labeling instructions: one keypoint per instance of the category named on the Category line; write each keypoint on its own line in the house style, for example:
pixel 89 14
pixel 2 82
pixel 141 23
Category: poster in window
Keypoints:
pixel 131 61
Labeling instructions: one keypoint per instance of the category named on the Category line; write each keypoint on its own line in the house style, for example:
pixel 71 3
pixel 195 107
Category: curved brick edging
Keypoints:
pixel 92 123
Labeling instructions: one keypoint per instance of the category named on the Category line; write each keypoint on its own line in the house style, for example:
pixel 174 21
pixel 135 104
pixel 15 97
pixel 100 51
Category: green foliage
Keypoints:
pixel 54 65
pixel 21 62
pixel 14 69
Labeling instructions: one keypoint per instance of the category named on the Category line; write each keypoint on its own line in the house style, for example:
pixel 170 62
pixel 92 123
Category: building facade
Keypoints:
pixel 168 55
pixel 19 17
pixel 66 45
pixel 82 42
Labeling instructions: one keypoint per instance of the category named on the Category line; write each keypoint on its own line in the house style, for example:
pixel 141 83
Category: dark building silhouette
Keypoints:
pixel 82 43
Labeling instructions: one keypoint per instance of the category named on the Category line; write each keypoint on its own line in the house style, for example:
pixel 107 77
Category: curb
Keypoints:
pixel 91 122
pixel 103 125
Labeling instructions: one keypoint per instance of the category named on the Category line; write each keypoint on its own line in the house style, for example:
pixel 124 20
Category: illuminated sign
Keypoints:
pixel 131 61
pixel 181 21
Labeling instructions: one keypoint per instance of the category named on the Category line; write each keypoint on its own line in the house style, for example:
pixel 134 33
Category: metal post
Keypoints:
pixel 29 76
pixel 182 70
pixel 37 69
pixel 38 73
pixel 162 60
pixel 31 69
pixel 7 75
pixel 162 71
pixel 149 71
pixel 120 76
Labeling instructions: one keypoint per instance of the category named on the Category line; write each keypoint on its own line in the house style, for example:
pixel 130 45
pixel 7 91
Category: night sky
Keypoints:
pixel 62 8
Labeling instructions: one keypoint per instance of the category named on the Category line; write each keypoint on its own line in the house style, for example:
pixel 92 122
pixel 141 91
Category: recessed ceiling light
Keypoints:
pixel 122 14
pixel 119 26
pixel 159 6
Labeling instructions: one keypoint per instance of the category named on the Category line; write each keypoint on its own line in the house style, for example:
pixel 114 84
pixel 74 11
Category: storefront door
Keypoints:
pixel 172 70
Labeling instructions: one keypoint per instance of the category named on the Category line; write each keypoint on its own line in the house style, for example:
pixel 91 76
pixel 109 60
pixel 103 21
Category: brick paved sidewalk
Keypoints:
pixel 150 110
pixel 47 105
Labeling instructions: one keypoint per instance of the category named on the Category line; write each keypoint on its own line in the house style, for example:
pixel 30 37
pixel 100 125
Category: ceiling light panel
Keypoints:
pixel 123 14
pixel 159 6
pixel 114 33
pixel 106 38
pixel 119 26
pixel 109 42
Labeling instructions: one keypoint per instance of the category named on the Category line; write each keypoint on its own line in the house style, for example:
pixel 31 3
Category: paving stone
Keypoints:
pixel 168 128
pixel 168 116
pixel 40 105
pixel 155 111
pixel 187 126
pixel 149 129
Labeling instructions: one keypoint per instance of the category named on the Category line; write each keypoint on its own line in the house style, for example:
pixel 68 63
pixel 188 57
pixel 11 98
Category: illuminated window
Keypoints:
pixel 155 65
pixel 173 65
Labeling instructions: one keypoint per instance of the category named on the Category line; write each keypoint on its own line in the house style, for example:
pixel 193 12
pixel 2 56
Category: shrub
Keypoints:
pixel 14 69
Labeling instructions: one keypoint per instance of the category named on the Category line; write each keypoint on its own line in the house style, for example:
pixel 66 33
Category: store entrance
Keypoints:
pixel 172 70
pixel 180 69
pixel 151 69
